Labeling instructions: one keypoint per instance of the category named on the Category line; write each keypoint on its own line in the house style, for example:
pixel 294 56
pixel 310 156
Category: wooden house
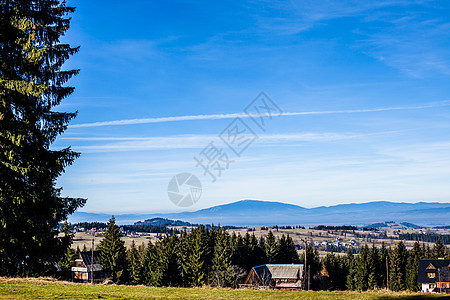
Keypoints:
pixel 434 275
pixel 280 276
pixel 84 267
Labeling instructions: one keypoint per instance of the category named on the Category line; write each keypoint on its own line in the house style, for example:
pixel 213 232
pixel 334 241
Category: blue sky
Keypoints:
pixel 364 88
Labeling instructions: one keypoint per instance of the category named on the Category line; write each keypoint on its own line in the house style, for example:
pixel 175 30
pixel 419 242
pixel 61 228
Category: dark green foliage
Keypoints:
pixel 351 283
pixel 397 268
pixel 383 262
pixel 362 269
pixel 213 257
pixel 151 274
pixel 90 225
pixel 167 256
pixel 112 253
pixel 147 228
pixel 256 253
pixel 271 248
pixel 287 253
pixel 416 254
pixel 373 268
pixel 135 264
pixel 439 250
pixel 429 238
pixel 222 259
pixel 32 84
pixel 336 270
pixel 313 264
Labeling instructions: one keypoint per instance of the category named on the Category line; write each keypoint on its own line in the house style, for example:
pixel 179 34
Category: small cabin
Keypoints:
pixel 84 267
pixel 279 276
pixel 434 275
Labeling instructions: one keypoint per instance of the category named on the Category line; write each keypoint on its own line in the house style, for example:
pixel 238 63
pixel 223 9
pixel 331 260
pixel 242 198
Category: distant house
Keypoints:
pixel 434 275
pixel 280 276
pixel 83 267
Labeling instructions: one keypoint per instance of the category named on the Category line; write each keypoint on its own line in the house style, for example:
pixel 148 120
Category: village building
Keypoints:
pixel 434 275
pixel 279 276
pixel 84 267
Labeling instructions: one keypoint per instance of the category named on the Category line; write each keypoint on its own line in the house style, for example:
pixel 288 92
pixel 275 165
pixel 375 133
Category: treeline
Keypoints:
pixel 429 238
pixel 90 225
pixel 212 256
pixel 370 269
pixel 344 227
pixel 130 228
pixel 204 256
pixel 147 228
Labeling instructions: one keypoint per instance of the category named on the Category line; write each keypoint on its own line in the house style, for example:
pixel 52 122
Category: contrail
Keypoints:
pixel 243 115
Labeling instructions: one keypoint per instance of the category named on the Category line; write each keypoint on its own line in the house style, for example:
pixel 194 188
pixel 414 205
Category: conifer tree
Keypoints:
pixel 68 259
pixel 362 270
pixel 197 257
pixel 282 247
pixel 222 259
pixel 351 277
pixel 412 267
pixel 373 265
pixel 271 247
pixel 247 252
pixel 113 253
pixel 262 250
pixel 211 239
pixel 428 253
pixel 313 261
pixel 336 271
pixel 151 272
pixel 292 253
pixel 384 259
pixel 397 267
pixel 167 260
pixel 134 264
pixel 32 84
pixel 256 253
pixel 439 250
pixel 184 250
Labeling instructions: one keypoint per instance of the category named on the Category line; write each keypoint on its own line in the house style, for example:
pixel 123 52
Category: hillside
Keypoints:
pixel 163 222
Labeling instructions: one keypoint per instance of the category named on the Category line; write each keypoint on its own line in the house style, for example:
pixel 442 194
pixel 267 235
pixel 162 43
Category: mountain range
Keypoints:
pixel 258 213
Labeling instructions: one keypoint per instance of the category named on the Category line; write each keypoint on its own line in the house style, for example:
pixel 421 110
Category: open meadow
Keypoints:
pixel 47 288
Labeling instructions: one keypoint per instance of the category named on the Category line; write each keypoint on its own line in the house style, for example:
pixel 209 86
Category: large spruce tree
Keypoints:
pixel 397 267
pixel 32 83
pixel 113 253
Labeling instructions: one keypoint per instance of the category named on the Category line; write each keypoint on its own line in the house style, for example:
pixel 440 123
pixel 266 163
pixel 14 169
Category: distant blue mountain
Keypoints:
pixel 256 213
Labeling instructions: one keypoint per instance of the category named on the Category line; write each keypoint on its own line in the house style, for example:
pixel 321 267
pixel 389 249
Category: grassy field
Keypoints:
pixel 12 288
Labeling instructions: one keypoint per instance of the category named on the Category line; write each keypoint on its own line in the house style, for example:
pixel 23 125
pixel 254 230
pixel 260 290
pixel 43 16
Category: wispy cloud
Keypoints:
pixel 243 115
pixel 119 144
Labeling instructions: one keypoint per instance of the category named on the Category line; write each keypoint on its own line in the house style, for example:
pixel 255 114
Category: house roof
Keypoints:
pixel 280 271
pixel 436 266
pixel 87 257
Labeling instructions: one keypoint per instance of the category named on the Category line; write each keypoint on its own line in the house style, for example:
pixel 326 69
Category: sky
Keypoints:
pixel 359 95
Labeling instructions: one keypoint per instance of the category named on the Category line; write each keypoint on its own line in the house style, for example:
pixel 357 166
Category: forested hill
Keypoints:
pixel 163 222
